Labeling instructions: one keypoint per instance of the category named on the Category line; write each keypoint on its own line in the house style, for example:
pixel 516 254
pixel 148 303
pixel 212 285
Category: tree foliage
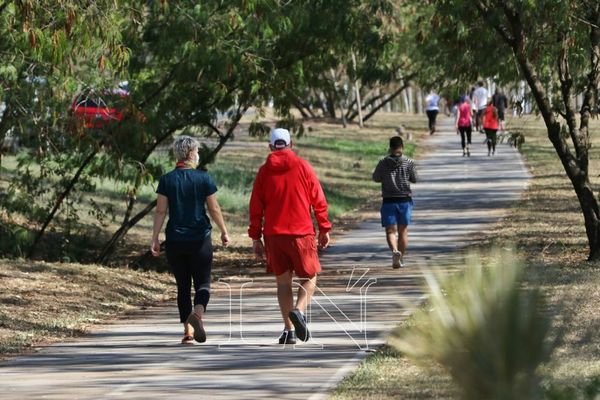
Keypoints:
pixel 553 45
pixel 191 67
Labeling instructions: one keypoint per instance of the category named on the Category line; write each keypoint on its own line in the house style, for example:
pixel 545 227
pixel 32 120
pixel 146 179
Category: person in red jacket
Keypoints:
pixel 490 125
pixel 285 190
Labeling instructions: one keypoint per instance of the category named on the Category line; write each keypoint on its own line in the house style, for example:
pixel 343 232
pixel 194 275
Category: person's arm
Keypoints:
pixel 457 115
pixel 214 210
pixel 412 176
pixel 256 214
pixel 162 204
pixel 319 206
pixel 377 173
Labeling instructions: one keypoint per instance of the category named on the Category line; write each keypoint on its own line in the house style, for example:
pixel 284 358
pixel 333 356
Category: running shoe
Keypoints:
pixel 199 332
pixel 397 260
pixel 299 321
pixel 287 337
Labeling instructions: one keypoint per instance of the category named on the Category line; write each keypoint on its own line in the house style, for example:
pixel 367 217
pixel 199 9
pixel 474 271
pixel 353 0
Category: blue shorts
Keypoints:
pixel 396 213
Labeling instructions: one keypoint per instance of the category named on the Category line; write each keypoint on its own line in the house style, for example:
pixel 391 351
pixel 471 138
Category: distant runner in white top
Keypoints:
pixel 431 109
pixel 480 97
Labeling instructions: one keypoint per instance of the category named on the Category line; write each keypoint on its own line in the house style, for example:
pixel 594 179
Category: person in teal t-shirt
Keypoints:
pixel 188 193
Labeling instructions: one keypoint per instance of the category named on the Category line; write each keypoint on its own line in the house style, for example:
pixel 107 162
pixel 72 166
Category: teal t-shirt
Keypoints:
pixel 187 190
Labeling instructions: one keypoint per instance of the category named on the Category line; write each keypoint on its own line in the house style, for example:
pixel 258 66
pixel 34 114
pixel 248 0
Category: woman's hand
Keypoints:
pixel 155 247
pixel 225 239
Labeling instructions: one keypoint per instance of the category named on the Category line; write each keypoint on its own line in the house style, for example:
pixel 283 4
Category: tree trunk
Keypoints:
pixel 357 93
pixel 575 165
pixel 419 100
pixel 303 108
pixel 330 104
pixel 354 113
pixel 386 101
pixel 110 246
pixel 59 201
pixel 7 118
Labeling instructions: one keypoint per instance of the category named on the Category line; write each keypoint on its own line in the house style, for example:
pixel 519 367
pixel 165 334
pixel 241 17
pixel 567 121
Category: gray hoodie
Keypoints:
pixel 395 174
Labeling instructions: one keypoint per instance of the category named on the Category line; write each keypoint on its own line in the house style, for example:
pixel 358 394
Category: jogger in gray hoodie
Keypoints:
pixel 395 173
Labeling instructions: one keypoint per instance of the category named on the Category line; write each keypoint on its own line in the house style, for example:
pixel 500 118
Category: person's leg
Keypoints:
pixel 431 115
pixel 306 266
pixel 391 235
pixel 285 297
pixel 404 219
pixel 468 132
pixel 178 263
pixel 429 120
pixel 463 132
pixel 501 120
pixel 488 136
pixel 389 215
pixel 305 293
pixel 494 139
pixel 402 238
pixel 201 270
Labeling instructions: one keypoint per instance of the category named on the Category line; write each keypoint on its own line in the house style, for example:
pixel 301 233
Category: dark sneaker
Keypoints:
pixel 287 337
pixel 196 322
pixel 299 321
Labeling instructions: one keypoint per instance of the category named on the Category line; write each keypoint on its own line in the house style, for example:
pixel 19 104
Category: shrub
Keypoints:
pixel 484 328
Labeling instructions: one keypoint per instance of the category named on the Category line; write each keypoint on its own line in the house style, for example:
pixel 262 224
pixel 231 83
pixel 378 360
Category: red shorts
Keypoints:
pixel 292 253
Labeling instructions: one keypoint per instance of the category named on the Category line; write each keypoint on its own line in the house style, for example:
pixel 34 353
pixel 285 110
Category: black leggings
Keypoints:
pixel 465 131
pixel 191 260
pixel 431 116
pixel 491 139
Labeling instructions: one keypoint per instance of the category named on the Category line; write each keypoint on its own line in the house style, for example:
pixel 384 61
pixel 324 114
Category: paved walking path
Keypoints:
pixel 360 298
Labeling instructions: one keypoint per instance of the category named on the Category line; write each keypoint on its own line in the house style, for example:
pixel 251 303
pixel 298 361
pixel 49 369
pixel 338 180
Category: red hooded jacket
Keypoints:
pixel 285 189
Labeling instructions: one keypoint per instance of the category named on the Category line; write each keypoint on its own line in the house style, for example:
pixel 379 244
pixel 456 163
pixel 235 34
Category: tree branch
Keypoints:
pixel 59 201
pixel 390 98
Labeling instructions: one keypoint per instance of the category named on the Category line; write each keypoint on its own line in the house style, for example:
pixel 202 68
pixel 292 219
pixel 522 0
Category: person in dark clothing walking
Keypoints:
pixel 500 101
pixel 188 193
pixel 395 173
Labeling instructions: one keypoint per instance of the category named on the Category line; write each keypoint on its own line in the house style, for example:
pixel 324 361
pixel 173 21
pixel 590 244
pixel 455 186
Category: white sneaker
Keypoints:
pixel 397 260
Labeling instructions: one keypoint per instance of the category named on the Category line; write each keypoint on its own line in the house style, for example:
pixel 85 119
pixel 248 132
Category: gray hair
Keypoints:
pixel 183 146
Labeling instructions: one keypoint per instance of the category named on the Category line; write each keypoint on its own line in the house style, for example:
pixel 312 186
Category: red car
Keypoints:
pixel 92 108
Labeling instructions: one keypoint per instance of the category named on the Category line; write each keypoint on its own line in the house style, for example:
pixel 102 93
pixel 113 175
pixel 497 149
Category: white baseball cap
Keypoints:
pixel 280 134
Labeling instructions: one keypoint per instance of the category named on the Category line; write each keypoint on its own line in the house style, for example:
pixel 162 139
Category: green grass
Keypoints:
pixel 387 375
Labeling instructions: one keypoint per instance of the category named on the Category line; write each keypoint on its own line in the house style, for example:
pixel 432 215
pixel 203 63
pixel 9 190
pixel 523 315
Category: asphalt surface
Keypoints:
pixel 360 298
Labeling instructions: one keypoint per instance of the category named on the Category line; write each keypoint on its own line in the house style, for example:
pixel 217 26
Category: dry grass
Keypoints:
pixel 546 227
pixel 44 302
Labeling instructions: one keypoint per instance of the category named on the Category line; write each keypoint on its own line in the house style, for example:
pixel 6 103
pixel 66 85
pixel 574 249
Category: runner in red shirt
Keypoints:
pixel 285 190
pixel 490 125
